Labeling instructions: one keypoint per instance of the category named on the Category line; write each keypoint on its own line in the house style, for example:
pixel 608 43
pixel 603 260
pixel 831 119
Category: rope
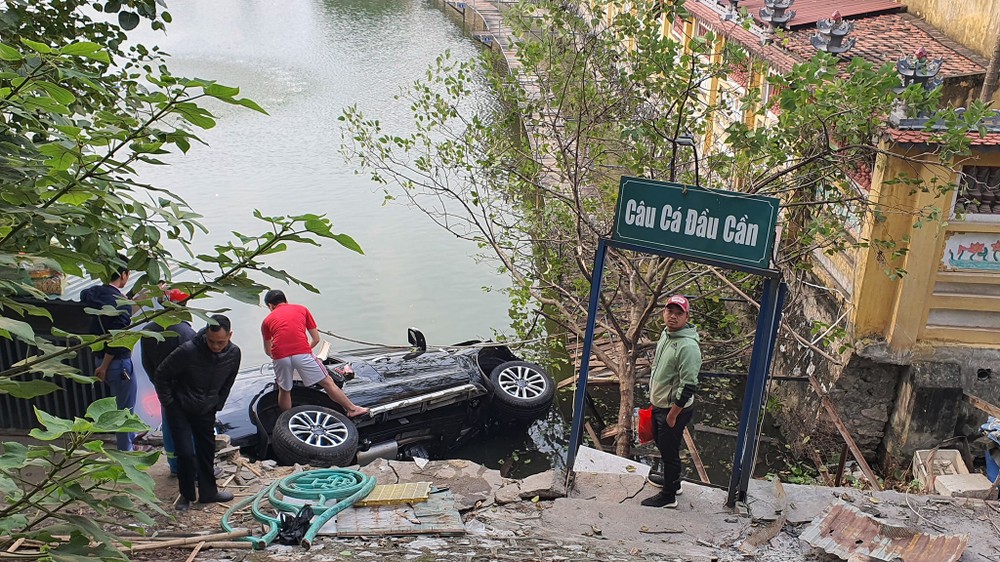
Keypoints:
pixel 340 485
pixel 515 343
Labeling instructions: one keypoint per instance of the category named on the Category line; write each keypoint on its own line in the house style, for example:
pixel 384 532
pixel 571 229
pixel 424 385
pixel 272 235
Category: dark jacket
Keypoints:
pixel 154 352
pixel 98 297
pixel 195 380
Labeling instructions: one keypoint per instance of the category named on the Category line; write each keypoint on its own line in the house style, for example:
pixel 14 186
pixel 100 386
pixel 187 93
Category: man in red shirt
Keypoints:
pixel 285 342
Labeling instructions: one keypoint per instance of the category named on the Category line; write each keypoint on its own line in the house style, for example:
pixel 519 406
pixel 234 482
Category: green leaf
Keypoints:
pixel 128 20
pixel 28 388
pixel 220 91
pixel 58 93
pixel 54 427
pixel 81 48
pixel 348 242
pixel 100 407
pixel 12 523
pixel 14 455
pixel 9 53
pixel 22 330
pixel 248 103
pixel 36 46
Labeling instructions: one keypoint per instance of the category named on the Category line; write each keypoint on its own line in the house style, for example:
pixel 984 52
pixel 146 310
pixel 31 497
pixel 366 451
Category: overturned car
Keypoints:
pixel 421 403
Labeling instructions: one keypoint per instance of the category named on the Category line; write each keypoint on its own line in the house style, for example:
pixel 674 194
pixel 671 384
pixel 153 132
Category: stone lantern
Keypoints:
pixel 831 34
pixel 776 13
pixel 918 68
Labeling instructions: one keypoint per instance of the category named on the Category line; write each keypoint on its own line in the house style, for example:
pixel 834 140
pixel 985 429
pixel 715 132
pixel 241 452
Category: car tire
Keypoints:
pixel 314 435
pixel 521 390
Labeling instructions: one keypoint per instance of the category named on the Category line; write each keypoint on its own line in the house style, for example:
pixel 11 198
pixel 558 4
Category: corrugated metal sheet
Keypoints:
pixel 846 531
pixel 808 12
pixel 72 401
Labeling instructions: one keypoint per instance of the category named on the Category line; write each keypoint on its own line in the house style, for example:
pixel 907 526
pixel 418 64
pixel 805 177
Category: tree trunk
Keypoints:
pixel 626 389
pixel 992 74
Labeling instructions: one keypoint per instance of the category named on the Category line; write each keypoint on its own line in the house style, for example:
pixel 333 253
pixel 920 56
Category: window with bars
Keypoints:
pixel 979 191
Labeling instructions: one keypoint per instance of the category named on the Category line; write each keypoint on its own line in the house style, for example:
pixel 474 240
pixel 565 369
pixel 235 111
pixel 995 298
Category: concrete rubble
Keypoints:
pixel 600 518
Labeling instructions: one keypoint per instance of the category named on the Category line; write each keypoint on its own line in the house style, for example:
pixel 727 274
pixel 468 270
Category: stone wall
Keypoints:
pixel 862 389
pixel 892 404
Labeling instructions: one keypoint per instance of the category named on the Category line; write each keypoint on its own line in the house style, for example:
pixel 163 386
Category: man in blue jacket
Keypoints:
pixel 113 365
pixel 193 384
pixel 672 387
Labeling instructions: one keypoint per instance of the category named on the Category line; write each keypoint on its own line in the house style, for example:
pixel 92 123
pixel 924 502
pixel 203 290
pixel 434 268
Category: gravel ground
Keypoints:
pixel 508 520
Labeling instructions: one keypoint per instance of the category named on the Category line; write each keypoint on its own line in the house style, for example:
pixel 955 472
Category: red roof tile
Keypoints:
pixel 905 136
pixel 880 39
pixel 888 37
pixel 779 58
pixel 808 12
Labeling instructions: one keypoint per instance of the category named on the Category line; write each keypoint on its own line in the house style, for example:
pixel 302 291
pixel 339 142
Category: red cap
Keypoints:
pixel 176 295
pixel 680 301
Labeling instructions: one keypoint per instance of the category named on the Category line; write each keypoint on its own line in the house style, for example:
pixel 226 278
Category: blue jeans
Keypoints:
pixel 124 389
pixel 168 442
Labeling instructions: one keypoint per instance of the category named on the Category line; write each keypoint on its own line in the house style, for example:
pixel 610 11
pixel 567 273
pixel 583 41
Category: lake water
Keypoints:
pixel 304 61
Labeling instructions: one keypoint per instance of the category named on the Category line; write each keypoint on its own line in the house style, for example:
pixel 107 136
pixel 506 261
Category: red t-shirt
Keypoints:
pixel 286 327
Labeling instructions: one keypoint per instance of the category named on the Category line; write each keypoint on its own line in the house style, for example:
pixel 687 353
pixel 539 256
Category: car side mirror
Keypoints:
pixel 416 339
pixel 418 345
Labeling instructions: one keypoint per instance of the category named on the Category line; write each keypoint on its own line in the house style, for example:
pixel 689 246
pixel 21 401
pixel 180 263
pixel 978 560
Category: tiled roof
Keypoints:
pixel 880 39
pixel 924 137
pixel 888 37
pixel 808 12
pixel 908 136
pixel 779 58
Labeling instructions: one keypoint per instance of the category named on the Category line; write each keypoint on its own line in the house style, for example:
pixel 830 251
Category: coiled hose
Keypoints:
pixel 317 487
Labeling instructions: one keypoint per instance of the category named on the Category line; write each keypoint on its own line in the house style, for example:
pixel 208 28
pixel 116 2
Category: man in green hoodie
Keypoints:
pixel 671 392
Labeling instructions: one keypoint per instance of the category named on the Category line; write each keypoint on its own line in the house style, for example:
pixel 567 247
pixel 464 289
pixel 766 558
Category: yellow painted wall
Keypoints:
pixel 973 23
pixel 874 290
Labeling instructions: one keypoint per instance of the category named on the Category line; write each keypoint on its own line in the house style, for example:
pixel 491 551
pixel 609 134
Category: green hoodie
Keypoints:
pixel 675 368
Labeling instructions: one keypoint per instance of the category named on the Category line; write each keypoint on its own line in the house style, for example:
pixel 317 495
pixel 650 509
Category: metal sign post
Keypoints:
pixel 579 414
pixel 768 320
pixel 718 228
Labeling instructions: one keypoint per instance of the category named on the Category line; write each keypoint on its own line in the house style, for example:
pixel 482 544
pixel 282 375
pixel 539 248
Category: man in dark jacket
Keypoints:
pixel 193 384
pixel 153 354
pixel 113 365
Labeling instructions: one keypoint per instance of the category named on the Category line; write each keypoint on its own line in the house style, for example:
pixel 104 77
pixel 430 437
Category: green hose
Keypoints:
pixel 318 486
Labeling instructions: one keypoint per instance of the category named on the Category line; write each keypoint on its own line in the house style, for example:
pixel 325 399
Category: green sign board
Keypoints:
pixel 697 222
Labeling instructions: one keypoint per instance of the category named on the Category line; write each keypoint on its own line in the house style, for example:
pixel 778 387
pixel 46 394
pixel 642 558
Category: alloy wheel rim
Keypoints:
pixel 522 382
pixel 318 429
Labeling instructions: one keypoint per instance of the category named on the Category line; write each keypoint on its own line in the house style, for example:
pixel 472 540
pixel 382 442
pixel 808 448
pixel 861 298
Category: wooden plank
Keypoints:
pixel 17 544
pixel 702 428
pixel 695 457
pixel 839 423
pixel 594 437
pixel 968 277
pixel 965 301
pixel 194 553
pixel 981 404
pixel 436 516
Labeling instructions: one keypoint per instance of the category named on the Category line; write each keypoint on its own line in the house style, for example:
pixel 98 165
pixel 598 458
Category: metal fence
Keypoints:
pixel 72 401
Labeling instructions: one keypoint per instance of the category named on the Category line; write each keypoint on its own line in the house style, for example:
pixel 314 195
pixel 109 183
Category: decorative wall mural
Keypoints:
pixel 978 250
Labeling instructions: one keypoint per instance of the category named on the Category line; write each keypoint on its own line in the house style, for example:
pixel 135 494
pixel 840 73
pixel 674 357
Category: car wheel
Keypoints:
pixel 314 435
pixel 521 390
